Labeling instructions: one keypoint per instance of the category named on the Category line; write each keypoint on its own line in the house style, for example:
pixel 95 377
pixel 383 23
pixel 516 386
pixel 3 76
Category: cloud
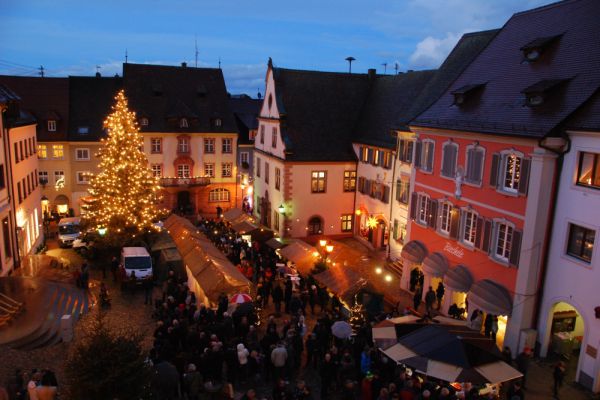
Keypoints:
pixel 431 51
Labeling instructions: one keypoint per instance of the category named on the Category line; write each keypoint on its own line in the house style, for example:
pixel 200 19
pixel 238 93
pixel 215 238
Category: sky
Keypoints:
pixel 80 37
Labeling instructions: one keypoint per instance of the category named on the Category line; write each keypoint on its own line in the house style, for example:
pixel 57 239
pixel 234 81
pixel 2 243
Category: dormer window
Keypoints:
pixel 218 122
pixel 144 121
pixel 464 93
pixel 537 93
pixel 201 91
pixel 533 50
pixel 183 123
pixel 83 130
pixel 51 125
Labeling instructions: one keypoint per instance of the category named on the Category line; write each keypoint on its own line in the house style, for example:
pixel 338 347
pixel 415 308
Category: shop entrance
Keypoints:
pixel 183 202
pixel 566 337
pixel 416 279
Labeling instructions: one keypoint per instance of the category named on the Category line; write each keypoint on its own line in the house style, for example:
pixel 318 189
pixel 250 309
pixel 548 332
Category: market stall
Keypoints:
pixel 302 254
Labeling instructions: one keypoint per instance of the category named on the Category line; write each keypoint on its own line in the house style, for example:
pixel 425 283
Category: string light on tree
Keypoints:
pixel 124 194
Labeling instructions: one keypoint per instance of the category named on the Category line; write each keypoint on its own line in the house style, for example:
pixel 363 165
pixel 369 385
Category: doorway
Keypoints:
pixel 183 202
pixel 567 330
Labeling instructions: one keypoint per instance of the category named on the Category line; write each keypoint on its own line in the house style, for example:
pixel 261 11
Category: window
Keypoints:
pixel 82 154
pixel 58 151
pixel 274 137
pixel 402 191
pixel 364 154
pixel 275 219
pixel 83 177
pixel 469 227
pixel 226 145
pixel 315 226
pixel 218 122
pixel 244 158
pixel 183 145
pixel 59 175
pixel 445 217
pixel 277 178
pixel 43 177
pixel 475 159
pixel 424 209
pixel 218 194
pixel 144 121
pixel 2 181
pixel 425 153
pixel 581 242
pixel 83 130
pixel 387 160
pixel 209 170
pixel 318 181
pixel 184 170
pixel 376 157
pixel 157 170
pixel 405 150
pixel 512 172
pixel 17 154
pixel 258 167
pixel 183 123
pixel 262 134
pixel 20 194
pixel 266 172
pixel 51 126
pixel 156 145
pixel 504 238
pixel 449 158
pixel 226 169
pixel 209 146
pixel 588 172
pixel 42 151
pixel 349 181
pixel 346 222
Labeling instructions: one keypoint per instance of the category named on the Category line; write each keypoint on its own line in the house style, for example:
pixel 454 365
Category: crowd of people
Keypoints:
pixel 38 384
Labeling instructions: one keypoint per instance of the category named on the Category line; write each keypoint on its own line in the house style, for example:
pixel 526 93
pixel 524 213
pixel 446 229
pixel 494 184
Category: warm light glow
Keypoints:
pixel 62 208
pixel 281 209
pixel 315 254
pixel 358 212
pixel 388 278
pixel 329 248
pixel 102 231
pixel 322 242
pixel 21 218
pixel 378 270
pixel 372 222
pixel 250 189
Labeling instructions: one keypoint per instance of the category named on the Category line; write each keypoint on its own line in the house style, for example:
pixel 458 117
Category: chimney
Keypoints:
pixel 184 65
pixel 372 72
pixel 98 75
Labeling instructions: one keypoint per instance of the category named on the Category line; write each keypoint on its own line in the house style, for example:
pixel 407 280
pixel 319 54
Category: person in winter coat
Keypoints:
pixel 279 357
pixel 192 381
pixel 277 298
pixel 328 373
pixel 430 299
pixel 242 355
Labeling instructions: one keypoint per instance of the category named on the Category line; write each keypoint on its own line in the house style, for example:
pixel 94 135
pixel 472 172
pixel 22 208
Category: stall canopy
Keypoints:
pixel 450 352
pixel 302 254
pixel 169 260
pixel 491 298
pixel 435 264
pixel 232 214
pixel 163 241
pixel 275 243
pixel 459 279
pixel 209 271
pixel 414 251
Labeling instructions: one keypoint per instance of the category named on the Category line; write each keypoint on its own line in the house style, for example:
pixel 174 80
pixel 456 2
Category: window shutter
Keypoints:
pixel 361 150
pixel 360 183
pixel 433 213
pixel 414 199
pixel 386 194
pixel 419 147
pixel 454 222
pixel 401 150
pixel 515 250
pixel 524 178
pixel 370 156
pixel 430 157
pixel 409 152
pixel 470 175
pixel 494 172
pixel 486 236
pixel 477 166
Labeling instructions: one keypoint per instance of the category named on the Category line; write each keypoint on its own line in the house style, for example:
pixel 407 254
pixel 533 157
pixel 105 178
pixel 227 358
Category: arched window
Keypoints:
pixel 218 194
pixel 183 123
pixel 315 226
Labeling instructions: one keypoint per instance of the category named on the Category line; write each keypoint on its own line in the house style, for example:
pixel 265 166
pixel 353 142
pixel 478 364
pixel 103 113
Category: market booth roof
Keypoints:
pixel 414 251
pixel 300 253
pixel 208 269
pixel 163 241
pixel 232 214
pixel 491 298
pixel 459 279
pixel 435 264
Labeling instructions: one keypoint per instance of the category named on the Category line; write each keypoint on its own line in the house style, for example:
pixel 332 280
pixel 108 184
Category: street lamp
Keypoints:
pixel 281 209
pixel 323 242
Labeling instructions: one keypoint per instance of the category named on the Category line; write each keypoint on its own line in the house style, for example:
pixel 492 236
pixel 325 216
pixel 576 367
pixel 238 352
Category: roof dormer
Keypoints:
pixel 466 93
pixel 538 93
pixel 533 50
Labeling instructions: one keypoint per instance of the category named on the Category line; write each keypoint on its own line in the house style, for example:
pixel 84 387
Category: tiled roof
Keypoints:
pixel 319 112
pixel 90 103
pixel 245 110
pixel 501 108
pixel 587 117
pixel 7 95
pixel 389 101
pixel 164 94
pixel 41 98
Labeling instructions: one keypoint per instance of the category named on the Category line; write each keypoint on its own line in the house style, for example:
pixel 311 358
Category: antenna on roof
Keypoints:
pixel 384 68
pixel 396 67
pixel 98 68
pixel 219 62
pixel 196 52
pixel 126 56
pixel 350 59
pixel 41 68
pixel 259 95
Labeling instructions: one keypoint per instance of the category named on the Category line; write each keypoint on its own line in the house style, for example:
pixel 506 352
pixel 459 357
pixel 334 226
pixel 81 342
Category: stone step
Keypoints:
pixel 54 327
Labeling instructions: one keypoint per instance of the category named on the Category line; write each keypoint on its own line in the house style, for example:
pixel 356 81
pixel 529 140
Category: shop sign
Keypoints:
pixel 456 251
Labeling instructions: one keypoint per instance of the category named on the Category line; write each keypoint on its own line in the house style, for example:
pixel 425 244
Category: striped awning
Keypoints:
pixel 490 297
pixel 435 265
pixel 414 251
pixel 459 279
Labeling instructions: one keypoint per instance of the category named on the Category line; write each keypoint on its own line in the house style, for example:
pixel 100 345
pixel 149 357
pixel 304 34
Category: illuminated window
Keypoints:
pixel 183 171
pixel 504 236
pixel 58 151
pixel 349 181
pixel 218 194
pixel 82 154
pixel 83 177
pixel 42 151
pixel 209 170
pixel 226 146
pixel 156 145
pixel 346 222
pixel 588 172
pixel 402 190
pixel 276 219
pixel 226 170
pixel 469 227
pixel 157 170
pixel 318 181
pixel 51 126
pixel 59 175
pixel 512 172
pixel 445 212
pixel 209 146
pixel 581 242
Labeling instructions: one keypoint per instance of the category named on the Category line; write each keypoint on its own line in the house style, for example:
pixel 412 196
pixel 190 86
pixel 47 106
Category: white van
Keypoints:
pixel 137 260
pixel 68 231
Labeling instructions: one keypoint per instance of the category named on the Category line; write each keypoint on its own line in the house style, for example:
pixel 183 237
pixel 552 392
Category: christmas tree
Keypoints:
pixel 124 194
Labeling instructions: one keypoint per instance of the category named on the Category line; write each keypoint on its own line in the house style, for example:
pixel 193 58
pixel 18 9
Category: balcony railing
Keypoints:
pixel 195 181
